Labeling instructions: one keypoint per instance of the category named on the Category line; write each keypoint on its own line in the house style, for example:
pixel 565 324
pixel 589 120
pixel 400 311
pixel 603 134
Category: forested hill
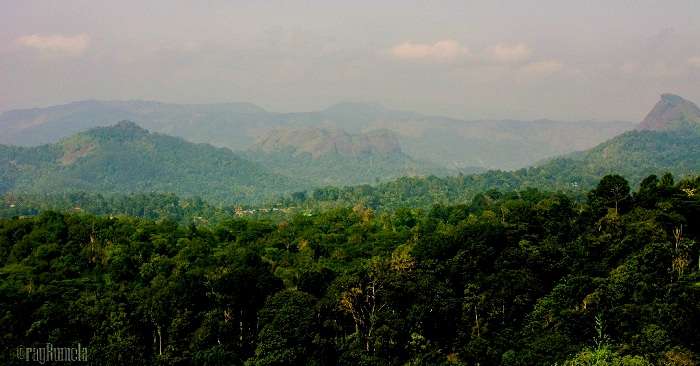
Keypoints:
pixel 635 155
pixel 125 158
pixel 528 278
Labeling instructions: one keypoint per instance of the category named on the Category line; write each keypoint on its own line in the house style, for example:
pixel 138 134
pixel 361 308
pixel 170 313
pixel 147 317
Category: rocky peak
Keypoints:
pixel 669 112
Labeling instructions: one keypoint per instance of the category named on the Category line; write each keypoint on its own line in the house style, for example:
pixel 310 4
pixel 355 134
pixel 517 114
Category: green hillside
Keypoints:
pixel 634 155
pixel 126 158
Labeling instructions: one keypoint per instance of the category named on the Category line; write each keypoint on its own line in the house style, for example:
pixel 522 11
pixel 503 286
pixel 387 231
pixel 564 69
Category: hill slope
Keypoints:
pixel 635 155
pixel 335 157
pixel 126 158
pixel 668 139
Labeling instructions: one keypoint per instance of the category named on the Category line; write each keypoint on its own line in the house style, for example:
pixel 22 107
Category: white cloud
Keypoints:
pixel 442 51
pixel 508 53
pixel 694 61
pixel 542 68
pixel 56 44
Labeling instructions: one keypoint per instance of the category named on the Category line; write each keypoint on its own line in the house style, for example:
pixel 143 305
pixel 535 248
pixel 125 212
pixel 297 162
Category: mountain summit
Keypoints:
pixel 670 112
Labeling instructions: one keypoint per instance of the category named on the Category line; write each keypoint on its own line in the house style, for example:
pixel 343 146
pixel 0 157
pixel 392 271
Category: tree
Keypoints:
pixel 611 191
pixel 289 332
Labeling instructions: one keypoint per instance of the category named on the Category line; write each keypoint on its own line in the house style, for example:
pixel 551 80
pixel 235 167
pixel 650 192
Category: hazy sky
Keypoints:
pixel 559 59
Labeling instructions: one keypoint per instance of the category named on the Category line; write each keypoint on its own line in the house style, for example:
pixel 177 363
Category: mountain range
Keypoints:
pixel 453 143
pixel 126 158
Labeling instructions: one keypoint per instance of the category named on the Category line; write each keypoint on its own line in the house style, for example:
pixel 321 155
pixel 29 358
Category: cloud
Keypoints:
pixel 441 51
pixel 542 68
pixel 508 53
pixel 56 44
pixel 694 61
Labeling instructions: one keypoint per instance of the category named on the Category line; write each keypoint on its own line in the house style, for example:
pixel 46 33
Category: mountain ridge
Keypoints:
pixel 503 144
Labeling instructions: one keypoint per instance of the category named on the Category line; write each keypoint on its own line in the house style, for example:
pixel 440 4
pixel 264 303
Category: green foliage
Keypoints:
pixel 155 206
pixel 289 330
pixel 511 278
pixel 604 356
pixel 611 192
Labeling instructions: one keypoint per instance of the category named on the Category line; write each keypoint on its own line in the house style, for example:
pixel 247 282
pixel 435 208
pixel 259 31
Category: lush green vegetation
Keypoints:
pixel 520 278
pixel 104 241
pixel 637 154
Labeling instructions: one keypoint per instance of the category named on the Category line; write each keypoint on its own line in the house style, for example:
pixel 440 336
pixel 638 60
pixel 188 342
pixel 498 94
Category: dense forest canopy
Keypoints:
pixel 510 278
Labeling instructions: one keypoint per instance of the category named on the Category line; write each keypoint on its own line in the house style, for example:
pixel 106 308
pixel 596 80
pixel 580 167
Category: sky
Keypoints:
pixel 519 59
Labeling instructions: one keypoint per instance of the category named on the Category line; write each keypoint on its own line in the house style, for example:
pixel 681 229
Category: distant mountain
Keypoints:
pixel 332 156
pixel 126 158
pixel 488 144
pixel 667 140
pixel 445 141
pixel 671 112
pixel 225 125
